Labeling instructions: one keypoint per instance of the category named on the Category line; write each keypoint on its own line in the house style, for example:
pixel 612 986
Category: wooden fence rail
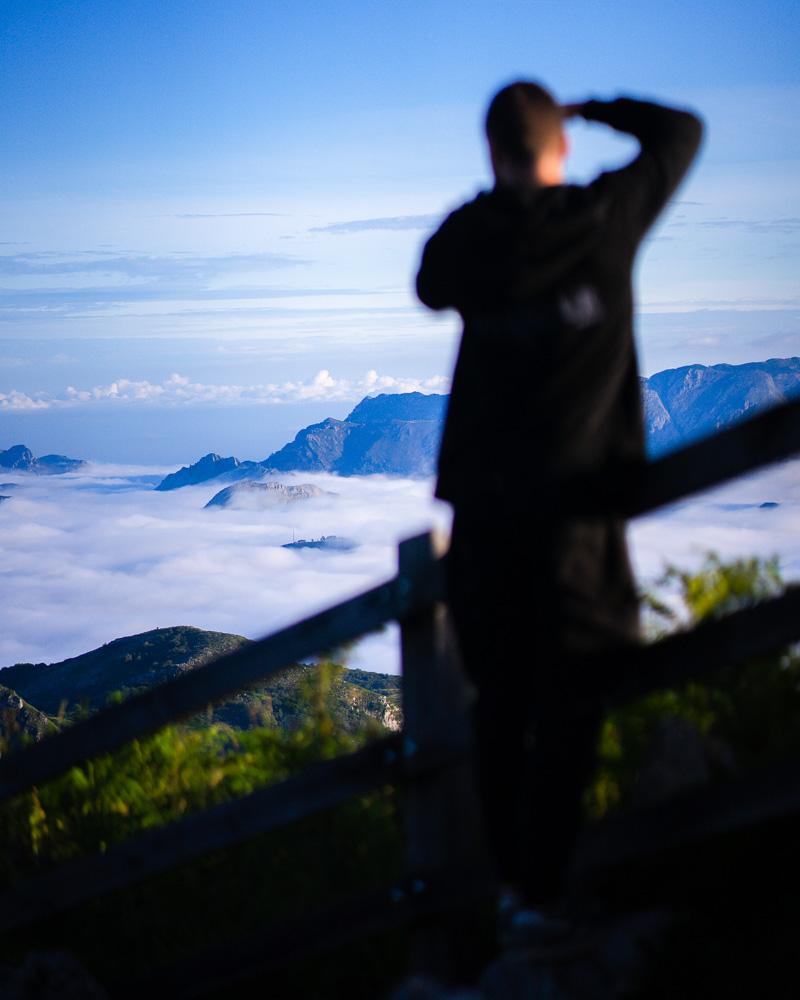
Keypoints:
pixel 767 797
pixel 319 787
pixel 642 487
pixel 431 758
pixel 628 672
pixel 278 945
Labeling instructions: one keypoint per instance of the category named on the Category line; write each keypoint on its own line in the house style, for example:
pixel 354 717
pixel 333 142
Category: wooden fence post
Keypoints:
pixel 441 812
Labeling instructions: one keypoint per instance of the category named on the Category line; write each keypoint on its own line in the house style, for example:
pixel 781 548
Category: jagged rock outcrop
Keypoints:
pixel 17 457
pixel 334 543
pixel 394 434
pixel 399 406
pixel 22 459
pixel 53 465
pixel 20 722
pixel 255 496
pixel 657 421
pixel 699 400
pixel 317 448
pixel 210 466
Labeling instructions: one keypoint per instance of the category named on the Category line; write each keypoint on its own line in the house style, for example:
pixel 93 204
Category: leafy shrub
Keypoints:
pixel 752 710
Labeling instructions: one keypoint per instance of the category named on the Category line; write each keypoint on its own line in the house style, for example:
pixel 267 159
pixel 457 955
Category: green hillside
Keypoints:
pixel 134 663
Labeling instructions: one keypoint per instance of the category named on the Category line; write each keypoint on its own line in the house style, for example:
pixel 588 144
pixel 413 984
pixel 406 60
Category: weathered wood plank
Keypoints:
pixel 194 691
pixel 639 488
pixel 319 787
pixel 280 945
pixel 436 700
pixel 620 675
pixel 767 796
pixel 442 821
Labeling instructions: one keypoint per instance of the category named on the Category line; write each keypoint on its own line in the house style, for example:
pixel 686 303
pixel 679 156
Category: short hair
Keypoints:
pixel 523 120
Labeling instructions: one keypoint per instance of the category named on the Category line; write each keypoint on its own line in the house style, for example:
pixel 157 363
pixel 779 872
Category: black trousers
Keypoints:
pixel 527 601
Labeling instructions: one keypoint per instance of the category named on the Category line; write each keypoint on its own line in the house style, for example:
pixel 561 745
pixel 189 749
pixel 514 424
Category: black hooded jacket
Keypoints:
pixel 546 384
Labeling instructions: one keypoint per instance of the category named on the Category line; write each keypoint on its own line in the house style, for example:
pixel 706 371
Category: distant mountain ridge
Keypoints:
pixel 135 663
pixel 21 459
pixel 210 466
pixel 394 434
pixel 399 434
pixel 687 403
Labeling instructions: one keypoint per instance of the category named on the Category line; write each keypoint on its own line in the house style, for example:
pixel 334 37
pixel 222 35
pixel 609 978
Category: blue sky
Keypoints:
pixel 236 194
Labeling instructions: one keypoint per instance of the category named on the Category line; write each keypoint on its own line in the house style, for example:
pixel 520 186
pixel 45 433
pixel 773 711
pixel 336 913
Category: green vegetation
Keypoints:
pixel 176 772
pixel 742 716
pixel 164 777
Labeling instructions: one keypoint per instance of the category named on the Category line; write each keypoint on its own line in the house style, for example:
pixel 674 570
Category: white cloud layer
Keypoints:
pixel 178 389
pixel 91 557
pixel 97 555
pixel 729 520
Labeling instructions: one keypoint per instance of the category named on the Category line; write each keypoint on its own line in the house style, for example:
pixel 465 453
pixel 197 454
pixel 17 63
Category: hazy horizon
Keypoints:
pixel 236 196
pixel 178 421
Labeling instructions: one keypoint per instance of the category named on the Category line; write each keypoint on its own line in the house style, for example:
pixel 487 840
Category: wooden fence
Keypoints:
pixel 431 757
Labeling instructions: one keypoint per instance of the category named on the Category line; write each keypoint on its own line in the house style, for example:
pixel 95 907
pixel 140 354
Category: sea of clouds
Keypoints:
pixel 100 554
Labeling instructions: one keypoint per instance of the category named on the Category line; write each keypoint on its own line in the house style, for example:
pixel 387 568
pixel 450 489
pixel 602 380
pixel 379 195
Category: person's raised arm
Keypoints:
pixel 669 139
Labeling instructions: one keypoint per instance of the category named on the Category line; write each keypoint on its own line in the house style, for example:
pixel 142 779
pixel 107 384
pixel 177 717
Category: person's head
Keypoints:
pixel 527 144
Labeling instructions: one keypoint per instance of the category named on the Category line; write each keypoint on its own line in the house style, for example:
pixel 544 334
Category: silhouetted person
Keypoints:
pixel 545 389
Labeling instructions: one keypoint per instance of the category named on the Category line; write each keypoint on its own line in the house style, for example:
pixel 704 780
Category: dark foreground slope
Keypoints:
pixel 134 663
